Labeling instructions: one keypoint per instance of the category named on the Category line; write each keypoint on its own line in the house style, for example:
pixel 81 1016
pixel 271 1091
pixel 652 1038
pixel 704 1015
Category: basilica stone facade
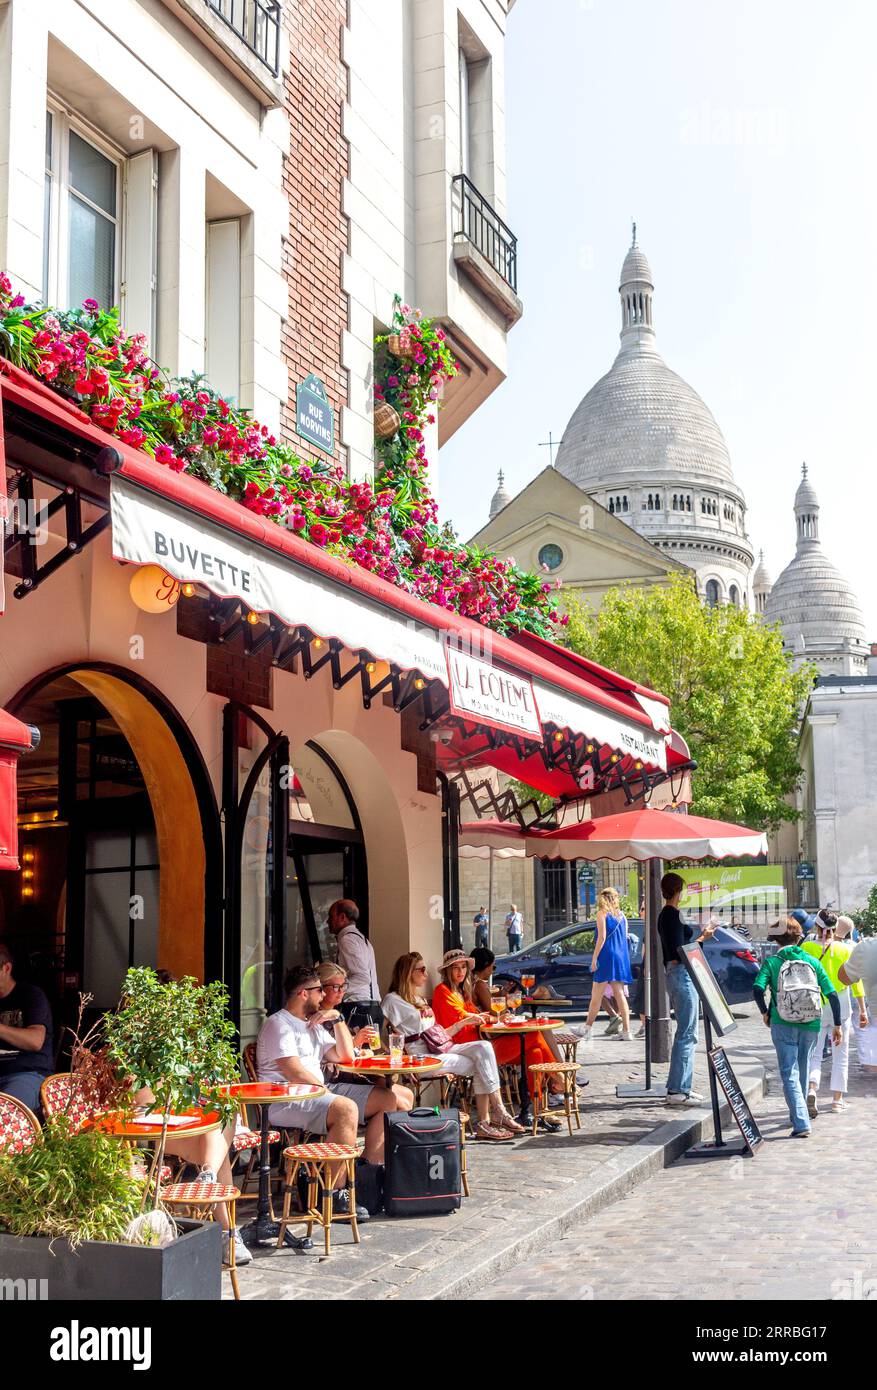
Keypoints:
pixel 644 444
pixel 818 612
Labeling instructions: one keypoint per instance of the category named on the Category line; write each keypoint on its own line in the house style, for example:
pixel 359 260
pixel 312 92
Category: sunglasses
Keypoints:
pixel 418 969
pixel 314 989
pixel 339 989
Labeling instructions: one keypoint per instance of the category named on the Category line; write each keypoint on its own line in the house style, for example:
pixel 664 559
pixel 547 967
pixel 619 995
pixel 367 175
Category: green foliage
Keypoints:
pixel 865 918
pixel 175 1040
pixel 72 1185
pixel 733 694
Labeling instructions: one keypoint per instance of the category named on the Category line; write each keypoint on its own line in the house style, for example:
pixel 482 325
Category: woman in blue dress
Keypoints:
pixel 610 964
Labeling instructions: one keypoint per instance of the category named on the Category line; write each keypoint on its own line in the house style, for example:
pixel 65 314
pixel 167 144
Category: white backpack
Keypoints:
pixel 798 996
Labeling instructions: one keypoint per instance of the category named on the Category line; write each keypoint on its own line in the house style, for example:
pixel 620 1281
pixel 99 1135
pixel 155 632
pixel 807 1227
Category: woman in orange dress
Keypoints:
pixel 454 999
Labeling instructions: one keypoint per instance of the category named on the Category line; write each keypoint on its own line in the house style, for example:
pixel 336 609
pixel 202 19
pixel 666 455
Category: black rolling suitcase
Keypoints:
pixel 422 1162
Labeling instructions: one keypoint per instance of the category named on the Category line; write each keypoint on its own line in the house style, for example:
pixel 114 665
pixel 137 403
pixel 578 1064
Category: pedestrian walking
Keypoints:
pixel 862 965
pixel 481 922
pixel 798 983
pixel 514 926
pixel 832 953
pixel 610 963
pixel 680 987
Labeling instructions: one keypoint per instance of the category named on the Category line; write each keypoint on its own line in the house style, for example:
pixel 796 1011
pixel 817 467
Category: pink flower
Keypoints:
pixel 318 534
pixel 17 301
pixel 164 454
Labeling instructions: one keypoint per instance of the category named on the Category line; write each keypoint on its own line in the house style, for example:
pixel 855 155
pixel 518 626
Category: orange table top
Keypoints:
pixel 382 1066
pixel 263 1092
pixel 524 1025
pixel 119 1125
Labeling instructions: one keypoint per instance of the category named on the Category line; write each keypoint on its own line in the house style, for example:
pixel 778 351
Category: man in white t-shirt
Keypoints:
pixel 292 1046
pixel 862 965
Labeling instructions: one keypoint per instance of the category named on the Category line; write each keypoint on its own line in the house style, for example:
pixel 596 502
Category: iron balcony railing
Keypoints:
pixel 478 223
pixel 257 22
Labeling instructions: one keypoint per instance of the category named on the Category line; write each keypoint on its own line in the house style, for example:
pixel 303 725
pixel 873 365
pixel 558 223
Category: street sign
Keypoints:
pixel 805 870
pixel 314 416
pixel 739 1108
pixel 587 873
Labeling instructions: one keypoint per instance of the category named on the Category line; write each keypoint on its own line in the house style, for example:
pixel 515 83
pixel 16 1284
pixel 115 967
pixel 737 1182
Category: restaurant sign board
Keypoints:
pixel 315 418
pixel 486 694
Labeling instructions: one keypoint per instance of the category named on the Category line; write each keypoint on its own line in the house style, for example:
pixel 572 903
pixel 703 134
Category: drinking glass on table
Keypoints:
pixel 397 1049
pixel 528 981
pixel 498 1005
pixel 514 1002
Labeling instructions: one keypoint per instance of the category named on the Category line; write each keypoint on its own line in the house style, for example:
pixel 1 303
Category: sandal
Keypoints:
pixel 506 1121
pixel 484 1130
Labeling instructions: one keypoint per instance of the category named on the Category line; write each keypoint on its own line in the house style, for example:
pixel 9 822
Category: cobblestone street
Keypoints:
pixel 521 1192
pixel 799 1221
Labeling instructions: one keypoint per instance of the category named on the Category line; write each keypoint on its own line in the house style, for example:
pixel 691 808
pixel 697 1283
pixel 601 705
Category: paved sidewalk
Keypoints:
pixel 798 1221
pixel 524 1194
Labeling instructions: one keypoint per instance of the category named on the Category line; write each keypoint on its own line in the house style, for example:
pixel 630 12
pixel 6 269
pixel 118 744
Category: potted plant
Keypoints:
pixel 72 1207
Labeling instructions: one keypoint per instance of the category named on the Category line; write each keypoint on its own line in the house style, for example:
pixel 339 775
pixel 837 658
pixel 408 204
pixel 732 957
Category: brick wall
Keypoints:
pixel 313 177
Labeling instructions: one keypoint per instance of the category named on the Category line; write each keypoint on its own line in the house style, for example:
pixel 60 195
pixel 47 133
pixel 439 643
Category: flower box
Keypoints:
pixel 189 1269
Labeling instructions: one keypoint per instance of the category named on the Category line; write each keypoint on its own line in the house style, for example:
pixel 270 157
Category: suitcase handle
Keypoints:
pixel 423 1111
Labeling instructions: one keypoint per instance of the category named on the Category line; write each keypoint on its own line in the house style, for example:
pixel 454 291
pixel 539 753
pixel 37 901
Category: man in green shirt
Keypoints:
pixel 794 1038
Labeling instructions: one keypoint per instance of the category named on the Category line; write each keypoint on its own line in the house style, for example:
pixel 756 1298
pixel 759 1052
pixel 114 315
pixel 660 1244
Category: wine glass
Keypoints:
pixel 528 981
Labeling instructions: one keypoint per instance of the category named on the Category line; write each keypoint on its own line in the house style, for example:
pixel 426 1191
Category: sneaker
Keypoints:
pixel 242 1256
pixel 800 1134
pixel 206 1175
pixel 341 1204
pixel 587 1030
pixel 812 1105
pixel 680 1098
pixel 641 1031
pixel 625 1037
pixel 614 1027
pixel 838 1105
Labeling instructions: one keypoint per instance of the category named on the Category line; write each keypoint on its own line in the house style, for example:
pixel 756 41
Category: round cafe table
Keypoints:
pixel 507 1030
pixel 119 1124
pixel 535 1004
pixel 382 1066
pixel 262 1230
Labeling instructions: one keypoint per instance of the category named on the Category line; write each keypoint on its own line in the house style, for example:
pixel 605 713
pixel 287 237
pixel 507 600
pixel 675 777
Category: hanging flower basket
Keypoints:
pixel 399 344
pixel 387 420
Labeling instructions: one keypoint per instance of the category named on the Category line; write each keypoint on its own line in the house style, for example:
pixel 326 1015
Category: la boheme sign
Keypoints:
pixel 315 418
pixel 491 696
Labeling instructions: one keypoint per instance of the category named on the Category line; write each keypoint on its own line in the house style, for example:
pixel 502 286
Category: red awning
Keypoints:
pixel 15 739
pixel 199 535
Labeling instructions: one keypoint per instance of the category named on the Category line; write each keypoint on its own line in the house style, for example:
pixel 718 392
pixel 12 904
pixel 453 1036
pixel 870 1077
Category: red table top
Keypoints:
pixel 523 1025
pixel 120 1125
pixel 383 1064
pixel 265 1091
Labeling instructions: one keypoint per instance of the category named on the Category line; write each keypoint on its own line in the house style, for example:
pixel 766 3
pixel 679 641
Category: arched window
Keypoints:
pixel 624 507
pixel 734 595
pixel 612 505
pixel 712 593
pixel 688 504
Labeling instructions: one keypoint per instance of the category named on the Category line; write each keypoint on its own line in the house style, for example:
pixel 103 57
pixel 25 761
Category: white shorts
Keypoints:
pixel 313 1114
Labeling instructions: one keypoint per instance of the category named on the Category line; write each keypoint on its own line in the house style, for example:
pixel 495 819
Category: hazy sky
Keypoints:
pixel 740 136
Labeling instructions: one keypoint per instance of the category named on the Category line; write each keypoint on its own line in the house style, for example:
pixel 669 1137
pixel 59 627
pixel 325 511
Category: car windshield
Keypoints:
pixel 581 943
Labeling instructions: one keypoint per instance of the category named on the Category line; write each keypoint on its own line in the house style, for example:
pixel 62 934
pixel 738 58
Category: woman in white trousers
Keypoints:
pixel 832 953
pixel 407 1011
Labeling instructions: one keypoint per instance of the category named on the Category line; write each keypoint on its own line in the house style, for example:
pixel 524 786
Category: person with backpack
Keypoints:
pixel 797 983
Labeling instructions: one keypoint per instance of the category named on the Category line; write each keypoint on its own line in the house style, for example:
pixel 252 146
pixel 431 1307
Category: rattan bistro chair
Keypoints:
pixel 200 1200
pixel 319 1163
pixel 19 1126
pixel 62 1094
pixel 539 1073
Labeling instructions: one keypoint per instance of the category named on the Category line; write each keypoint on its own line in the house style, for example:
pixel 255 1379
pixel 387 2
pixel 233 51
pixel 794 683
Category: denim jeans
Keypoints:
pixel 794 1046
pixel 25 1086
pixel 515 943
pixel 683 997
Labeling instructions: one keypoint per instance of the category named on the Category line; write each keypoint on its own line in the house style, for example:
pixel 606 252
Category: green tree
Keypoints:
pixel 733 694
pixel 865 918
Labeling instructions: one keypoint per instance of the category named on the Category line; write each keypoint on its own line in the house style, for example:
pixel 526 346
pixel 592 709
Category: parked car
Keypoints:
pixel 563 960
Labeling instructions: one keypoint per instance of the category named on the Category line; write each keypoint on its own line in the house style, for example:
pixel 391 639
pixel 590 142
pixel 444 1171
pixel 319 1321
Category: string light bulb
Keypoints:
pixel 420 683
pixel 371 667
pixel 318 643
pixel 253 619
pixel 188 590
